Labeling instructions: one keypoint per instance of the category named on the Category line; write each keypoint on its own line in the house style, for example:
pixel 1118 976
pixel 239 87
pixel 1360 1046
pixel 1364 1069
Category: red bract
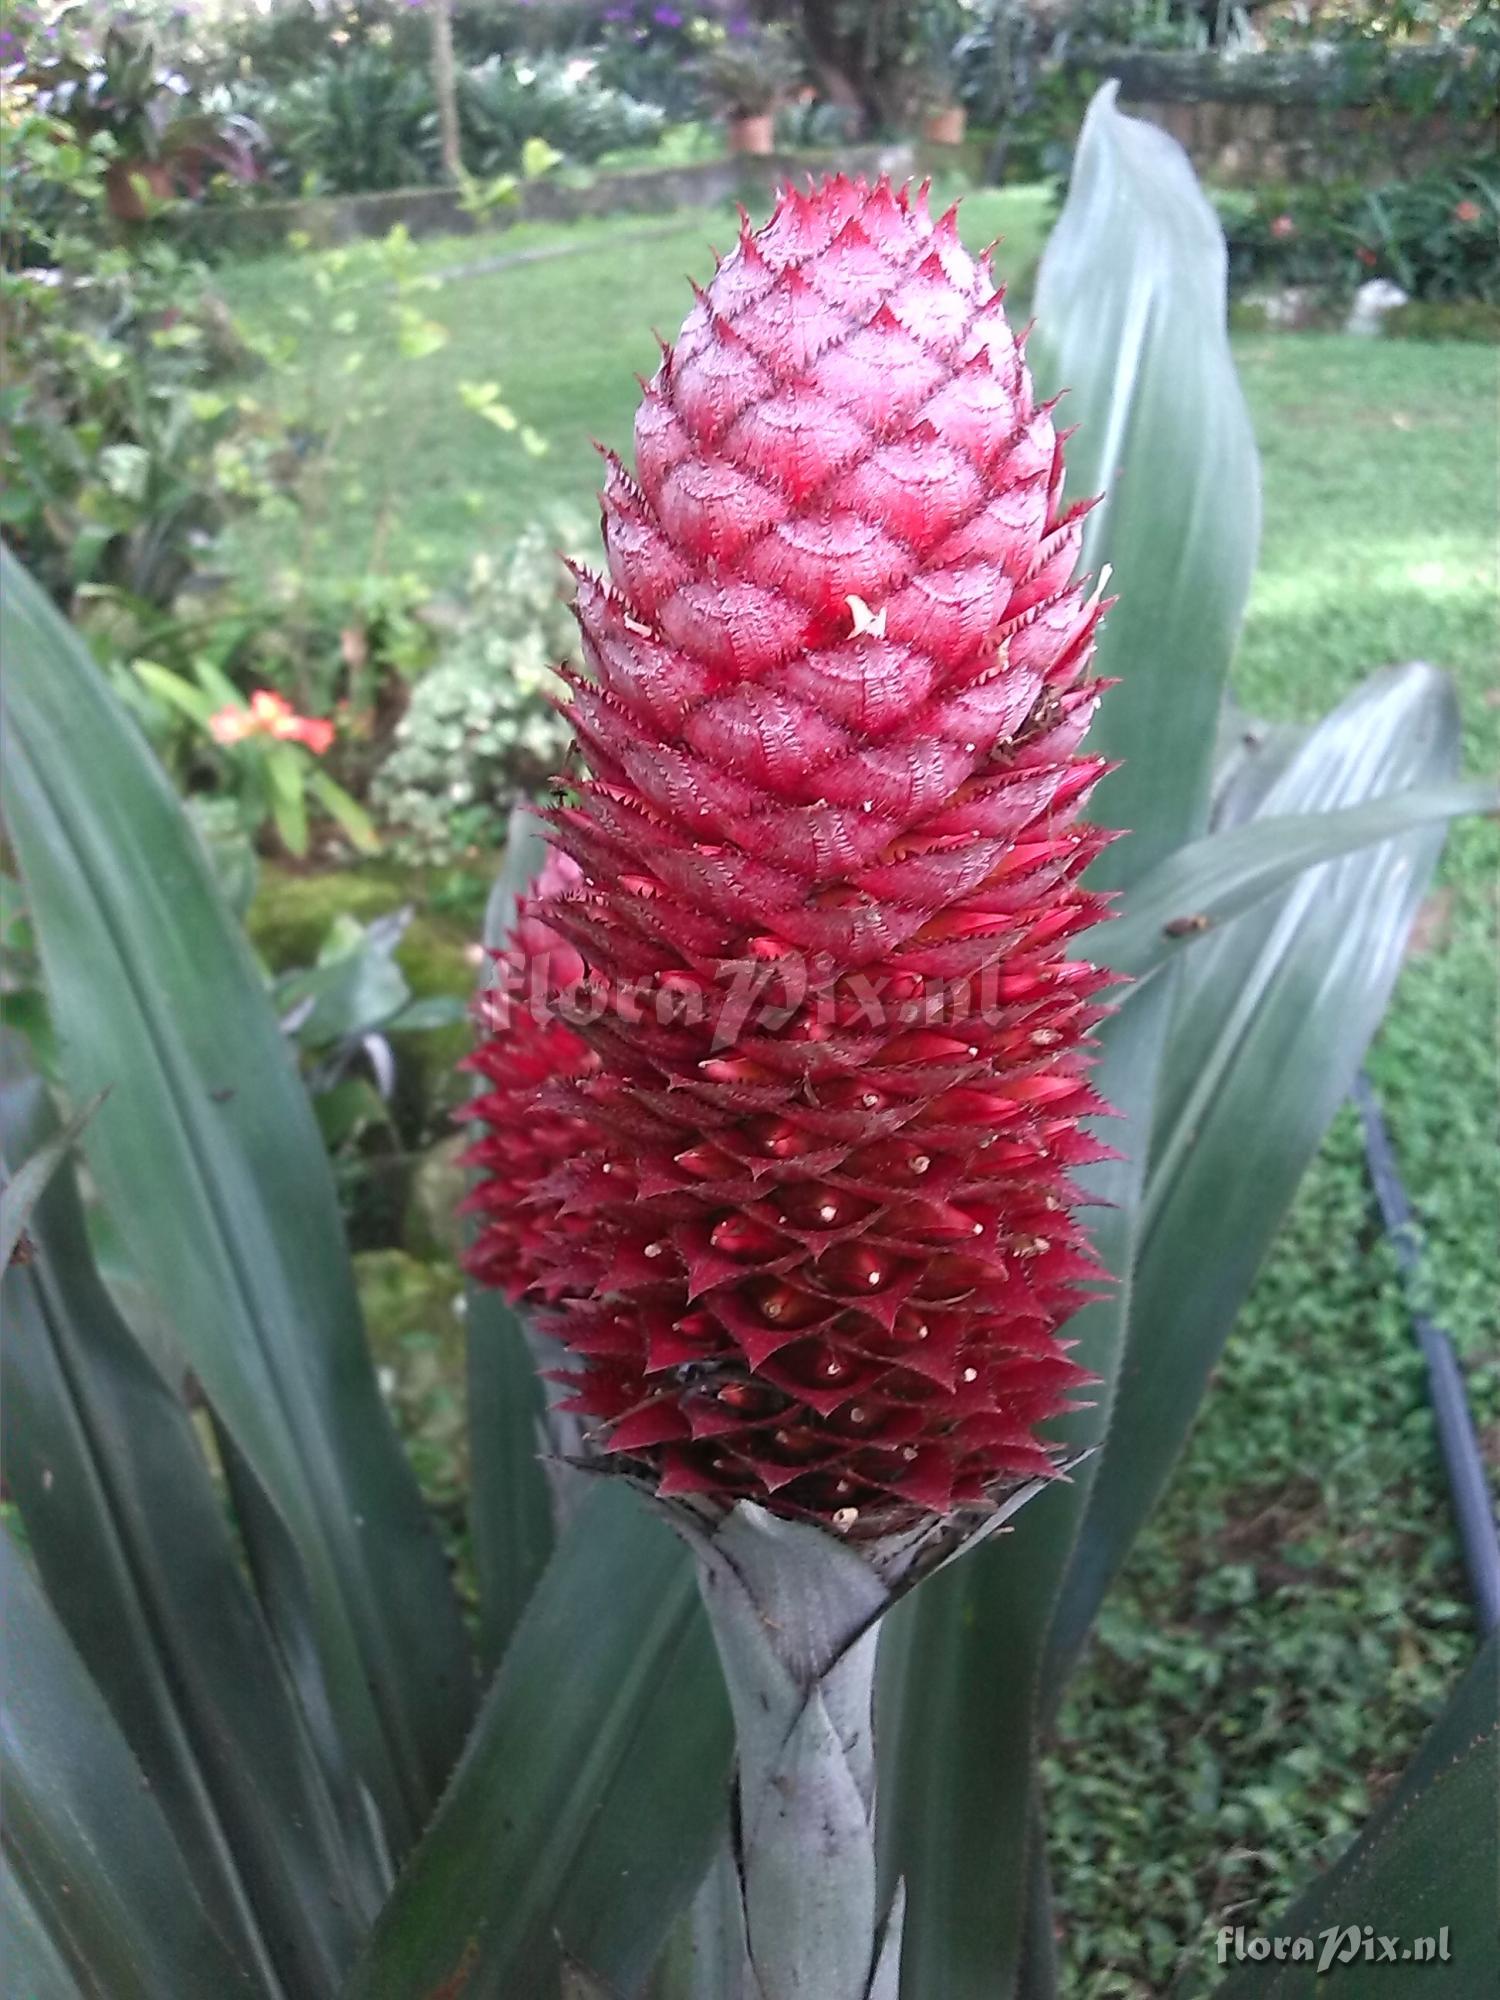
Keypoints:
pixel 823 1239
pixel 523 1050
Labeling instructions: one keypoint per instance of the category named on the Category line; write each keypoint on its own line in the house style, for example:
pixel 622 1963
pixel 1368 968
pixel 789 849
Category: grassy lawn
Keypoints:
pixel 1296 1615
pixel 419 473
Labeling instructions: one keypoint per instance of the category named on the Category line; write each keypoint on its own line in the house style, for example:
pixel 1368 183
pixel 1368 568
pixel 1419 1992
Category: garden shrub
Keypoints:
pixel 480 730
pixel 126 443
pixel 366 121
pixel 502 105
pixel 353 126
pixel 1437 236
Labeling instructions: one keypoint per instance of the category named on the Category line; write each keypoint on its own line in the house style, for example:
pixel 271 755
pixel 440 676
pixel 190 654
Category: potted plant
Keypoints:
pixel 749 76
pixel 940 26
pixel 162 147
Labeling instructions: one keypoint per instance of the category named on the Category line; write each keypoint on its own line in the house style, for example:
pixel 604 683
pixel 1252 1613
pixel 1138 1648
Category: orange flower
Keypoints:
pixel 270 715
pixel 1283 227
pixel 231 725
pixel 308 730
pixel 272 712
pixel 1466 211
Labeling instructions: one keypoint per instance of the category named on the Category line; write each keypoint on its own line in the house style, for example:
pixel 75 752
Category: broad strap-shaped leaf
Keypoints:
pixel 511 1520
pixel 1427 1866
pixel 1131 322
pixel 139 1563
pixel 208 1156
pixel 592 1793
pixel 1271 1022
pixel 32 1962
pixel 1211 881
pixel 525 853
pixel 93 1864
pixel 511 1499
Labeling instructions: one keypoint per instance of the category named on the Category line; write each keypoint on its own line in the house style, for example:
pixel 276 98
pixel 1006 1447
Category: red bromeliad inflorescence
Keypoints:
pixel 815 1235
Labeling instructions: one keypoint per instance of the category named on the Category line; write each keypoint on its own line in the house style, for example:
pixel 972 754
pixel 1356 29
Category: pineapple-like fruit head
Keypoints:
pixel 820 1235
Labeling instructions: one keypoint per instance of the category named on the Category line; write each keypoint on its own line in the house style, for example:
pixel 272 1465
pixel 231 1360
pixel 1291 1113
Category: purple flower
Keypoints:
pixel 666 17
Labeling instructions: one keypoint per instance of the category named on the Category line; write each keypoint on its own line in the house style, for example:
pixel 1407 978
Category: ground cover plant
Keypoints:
pixel 388 1704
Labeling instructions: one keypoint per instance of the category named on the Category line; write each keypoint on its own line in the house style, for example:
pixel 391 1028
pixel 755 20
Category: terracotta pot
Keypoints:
pixel 133 188
pixel 946 127
pixel 753 135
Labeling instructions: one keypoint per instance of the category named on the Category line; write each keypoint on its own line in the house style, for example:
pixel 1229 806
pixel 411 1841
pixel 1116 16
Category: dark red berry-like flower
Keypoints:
pixel 823 1238
pixel 524 1049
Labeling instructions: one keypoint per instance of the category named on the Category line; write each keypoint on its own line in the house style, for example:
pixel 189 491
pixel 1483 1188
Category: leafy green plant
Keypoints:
pixel 313 1702
pixel 351 127
pixel 341 1012
pixel 506 106
pixel 750 74
pixel 266 754
pixel 162 144
pixel 128 448
pixel 1436 235
pixel 480 729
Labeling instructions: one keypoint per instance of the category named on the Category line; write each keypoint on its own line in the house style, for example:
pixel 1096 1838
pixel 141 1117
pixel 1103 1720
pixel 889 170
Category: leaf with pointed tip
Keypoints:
pixel 1208 883
pixel 1130 322
pixel 139 1564
pixel 99 1872
pixel 1426 1866
pixel 525 852
pixel 592 1792
pixel 209 1159
pixel 708 1956
pixel 1271 1022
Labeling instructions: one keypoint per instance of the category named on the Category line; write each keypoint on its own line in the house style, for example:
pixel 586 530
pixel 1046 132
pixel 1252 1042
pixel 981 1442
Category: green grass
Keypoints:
pixel 1295 1615
pixel 418 473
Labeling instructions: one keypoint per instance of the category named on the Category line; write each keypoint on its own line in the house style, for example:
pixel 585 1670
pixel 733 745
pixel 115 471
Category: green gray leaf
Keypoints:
pixel 207 1154
pixel 592 1792
pixel 1208 883
pixel 23 1188
pixel 86 1843
pixel 510 1499
pixel 1271 1023
pixel 1130 312
pixel 139 1563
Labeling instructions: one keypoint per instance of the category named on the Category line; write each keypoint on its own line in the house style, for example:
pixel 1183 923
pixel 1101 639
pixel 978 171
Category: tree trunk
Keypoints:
pixel 445 87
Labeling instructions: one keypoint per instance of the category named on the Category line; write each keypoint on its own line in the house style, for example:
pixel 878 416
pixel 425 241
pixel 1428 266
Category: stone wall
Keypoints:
pixel 636 191
pixel 1264 118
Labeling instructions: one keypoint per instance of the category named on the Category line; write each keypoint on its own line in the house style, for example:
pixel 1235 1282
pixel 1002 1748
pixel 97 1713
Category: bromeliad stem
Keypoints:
pixel 795 1613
